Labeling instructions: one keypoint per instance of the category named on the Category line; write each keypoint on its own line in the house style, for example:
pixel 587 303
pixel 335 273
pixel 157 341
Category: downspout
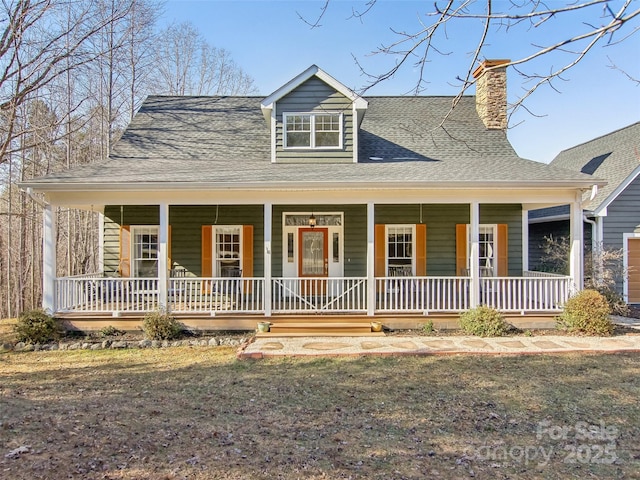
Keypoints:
pixel 594 245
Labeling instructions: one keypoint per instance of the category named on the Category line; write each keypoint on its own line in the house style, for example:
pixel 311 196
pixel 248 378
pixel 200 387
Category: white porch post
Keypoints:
pixel 163 257
pixel 371 276
pixel 49 260
pixel 474 254
pixel 268 216
pixel 101 242
pixel 525 240
pixel 576 253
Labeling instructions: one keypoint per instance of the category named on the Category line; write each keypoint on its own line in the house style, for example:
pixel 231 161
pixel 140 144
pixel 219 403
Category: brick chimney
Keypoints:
pixel 491 93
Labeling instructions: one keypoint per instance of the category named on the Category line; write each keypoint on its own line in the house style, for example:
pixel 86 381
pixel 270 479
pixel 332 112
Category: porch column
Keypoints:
pixel 163 257
pixel 525 241
pixel 371 277
pixel 576 254
pixel 268 214
pixel 49 259
pixel 474 254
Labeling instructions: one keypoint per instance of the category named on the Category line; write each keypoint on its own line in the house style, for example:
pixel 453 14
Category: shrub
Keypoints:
pixel 36 326
pixel 110 331
pixel 586 313
pixel 427 328
pixel 160 326
pixel 484 321
pixel 615 300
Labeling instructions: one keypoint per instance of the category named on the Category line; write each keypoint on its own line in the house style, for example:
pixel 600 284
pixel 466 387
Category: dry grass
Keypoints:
pixel 6 330
pixel 201 414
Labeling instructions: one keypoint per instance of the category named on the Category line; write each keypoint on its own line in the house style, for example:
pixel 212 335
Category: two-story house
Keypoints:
pixel 313 204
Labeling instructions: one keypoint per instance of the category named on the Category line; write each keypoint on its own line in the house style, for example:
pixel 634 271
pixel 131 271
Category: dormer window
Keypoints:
pixel 312 130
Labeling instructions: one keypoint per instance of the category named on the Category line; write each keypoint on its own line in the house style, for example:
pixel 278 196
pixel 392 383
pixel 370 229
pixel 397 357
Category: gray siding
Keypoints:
pixel 186 235
pixel 623 215
pixel 315 96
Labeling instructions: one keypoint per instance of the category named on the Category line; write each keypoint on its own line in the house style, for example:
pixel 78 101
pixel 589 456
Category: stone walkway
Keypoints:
pixel 268 346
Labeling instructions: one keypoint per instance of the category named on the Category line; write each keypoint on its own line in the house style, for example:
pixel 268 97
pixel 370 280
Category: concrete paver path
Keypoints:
pixel 423 345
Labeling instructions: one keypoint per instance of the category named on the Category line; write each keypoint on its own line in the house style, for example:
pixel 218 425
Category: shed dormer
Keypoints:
pixel 314 119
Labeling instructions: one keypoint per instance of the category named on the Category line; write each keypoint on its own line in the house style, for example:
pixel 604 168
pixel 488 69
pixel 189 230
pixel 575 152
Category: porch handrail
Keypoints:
pixel 106 294
pixel 422 294
pixel 215 295
pixel 538 274
pixel 525 294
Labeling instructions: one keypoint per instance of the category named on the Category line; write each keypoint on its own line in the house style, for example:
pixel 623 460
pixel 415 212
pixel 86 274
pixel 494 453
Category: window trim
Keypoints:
pixel 133 259
pixel 312 132
pixel 413 245
pixel 494 257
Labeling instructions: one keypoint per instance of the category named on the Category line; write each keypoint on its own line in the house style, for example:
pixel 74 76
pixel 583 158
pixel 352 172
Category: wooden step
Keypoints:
pixel 321 328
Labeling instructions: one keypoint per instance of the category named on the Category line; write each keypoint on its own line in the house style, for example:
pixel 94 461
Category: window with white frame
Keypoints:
pixel 400 250
pixel 312 130
pixel 227 251
pixel 145 251
pixel 486 250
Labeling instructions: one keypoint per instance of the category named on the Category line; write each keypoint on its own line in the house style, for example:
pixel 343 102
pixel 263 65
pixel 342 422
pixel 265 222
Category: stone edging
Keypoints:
pixel 123 344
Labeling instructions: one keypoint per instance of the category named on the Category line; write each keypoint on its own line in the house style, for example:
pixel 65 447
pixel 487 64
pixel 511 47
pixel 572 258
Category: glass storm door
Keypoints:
pixel 313 258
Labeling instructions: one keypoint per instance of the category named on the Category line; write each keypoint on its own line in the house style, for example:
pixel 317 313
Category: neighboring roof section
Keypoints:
pixel 614 157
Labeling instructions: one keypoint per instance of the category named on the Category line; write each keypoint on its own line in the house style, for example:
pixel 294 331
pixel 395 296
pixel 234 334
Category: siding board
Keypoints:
pixel 315 96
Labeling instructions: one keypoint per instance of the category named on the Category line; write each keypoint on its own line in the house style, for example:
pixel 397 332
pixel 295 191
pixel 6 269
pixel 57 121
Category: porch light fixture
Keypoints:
pixel 312 220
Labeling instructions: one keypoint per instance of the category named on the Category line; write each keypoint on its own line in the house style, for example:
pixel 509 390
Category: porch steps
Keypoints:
pixel 321 329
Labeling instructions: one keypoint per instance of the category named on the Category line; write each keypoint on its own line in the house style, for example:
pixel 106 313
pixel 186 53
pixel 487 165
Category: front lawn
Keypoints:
pixel 199 413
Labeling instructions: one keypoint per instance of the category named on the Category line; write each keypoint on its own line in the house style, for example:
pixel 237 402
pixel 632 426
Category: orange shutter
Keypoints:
pixel 169 265
pixel 247 250
pixel 207 251
pixel 124 267
pixel 421 250
pixel 247 257
pixel 379 246
pixel 461 249
pixel 503 250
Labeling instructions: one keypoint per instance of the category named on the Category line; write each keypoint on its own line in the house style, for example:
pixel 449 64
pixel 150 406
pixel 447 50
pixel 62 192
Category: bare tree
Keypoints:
pixel 40 40
pixel 186 64
pixel 596 23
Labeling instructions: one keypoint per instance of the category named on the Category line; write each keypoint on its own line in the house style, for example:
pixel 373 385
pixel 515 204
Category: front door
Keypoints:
pixel 633 270
pixel 313 259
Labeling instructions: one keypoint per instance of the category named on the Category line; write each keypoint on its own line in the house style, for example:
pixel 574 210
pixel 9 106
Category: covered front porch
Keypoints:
pixel 378 261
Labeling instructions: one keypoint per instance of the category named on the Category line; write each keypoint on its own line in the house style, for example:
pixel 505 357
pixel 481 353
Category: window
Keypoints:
pixel 145 251
pixel 313 130
pixel 486 250
pixel 400 250
pixel 227 251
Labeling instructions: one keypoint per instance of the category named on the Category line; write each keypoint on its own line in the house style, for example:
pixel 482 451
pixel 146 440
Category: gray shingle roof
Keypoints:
pixel 612 157
pixel 225 140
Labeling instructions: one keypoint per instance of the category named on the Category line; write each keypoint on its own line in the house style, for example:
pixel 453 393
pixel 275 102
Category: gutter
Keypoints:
pixel 299 186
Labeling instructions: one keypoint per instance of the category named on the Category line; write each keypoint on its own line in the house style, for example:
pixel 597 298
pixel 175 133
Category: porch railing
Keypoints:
pixel 522 294
pixel 422 294
pixel 216 295
pixel 86 293
pixel 319 295
pixel 95 293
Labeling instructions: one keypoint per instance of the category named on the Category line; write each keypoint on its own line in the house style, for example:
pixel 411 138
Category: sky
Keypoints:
pixel 269 40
